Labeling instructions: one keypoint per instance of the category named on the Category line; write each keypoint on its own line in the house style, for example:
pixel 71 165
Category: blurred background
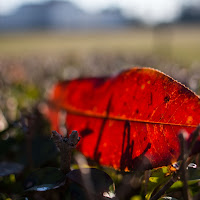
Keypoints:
pixel 43 41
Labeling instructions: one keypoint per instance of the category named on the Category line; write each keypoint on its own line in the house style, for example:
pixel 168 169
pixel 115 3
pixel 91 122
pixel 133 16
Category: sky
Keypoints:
pixel 150 11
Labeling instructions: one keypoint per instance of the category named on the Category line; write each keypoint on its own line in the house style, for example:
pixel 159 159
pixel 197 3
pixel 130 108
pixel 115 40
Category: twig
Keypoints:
pixel 183 171
pixel 162 191
pixel 65 145
pixel 193 140
pixel 147 175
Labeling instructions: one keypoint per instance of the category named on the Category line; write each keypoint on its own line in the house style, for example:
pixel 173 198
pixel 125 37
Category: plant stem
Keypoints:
pixel 65 145
pixel 183 171
pixel 162 191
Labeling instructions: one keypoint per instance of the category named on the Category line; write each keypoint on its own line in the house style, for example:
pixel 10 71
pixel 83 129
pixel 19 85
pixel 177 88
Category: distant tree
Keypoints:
pixel 190 14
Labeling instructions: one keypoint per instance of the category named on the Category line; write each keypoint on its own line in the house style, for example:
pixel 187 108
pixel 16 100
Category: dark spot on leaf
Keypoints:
pixel 137 111
pixel 148 147
pixel 171 79
pixel 99 82
pixel 139 69
pixel 172 150
pixel 166 99
pixel 145 138
pixel 185 91
pixel 182 90
pixel 85 132
pixel 150 99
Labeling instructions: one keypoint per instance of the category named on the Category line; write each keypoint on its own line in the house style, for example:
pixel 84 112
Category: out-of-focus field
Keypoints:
pixel 181 44
pixel 30 63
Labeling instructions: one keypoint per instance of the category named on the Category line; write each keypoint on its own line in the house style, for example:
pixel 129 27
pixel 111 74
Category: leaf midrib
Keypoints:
pixel 118 118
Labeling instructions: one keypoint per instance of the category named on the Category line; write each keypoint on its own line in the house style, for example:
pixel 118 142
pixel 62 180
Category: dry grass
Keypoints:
pixel 43 58
pixel 181 44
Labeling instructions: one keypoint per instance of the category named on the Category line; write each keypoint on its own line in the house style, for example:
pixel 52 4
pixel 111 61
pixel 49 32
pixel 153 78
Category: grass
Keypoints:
pixel 52 43
pixel 181 44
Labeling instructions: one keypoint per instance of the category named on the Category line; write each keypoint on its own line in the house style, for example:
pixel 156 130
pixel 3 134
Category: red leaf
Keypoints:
pixel 130 121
